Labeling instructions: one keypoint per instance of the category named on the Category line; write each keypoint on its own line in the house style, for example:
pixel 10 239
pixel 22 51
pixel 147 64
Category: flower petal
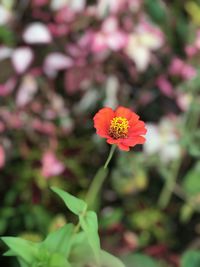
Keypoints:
pixel 137 129
pixel 22 57
pixel 37 33
pixel 133 141
pixel 123 147
pixel 126 113
pixel 112 141
pixel 102 121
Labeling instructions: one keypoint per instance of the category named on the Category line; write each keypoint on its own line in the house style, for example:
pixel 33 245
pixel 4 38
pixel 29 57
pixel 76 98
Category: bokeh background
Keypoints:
pixel 63 60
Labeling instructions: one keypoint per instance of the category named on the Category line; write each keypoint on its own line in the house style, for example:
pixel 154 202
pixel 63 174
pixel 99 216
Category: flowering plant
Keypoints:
pixel 79 245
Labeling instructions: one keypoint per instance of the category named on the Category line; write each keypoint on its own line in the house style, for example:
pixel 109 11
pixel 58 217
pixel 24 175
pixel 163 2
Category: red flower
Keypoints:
pixel 121 127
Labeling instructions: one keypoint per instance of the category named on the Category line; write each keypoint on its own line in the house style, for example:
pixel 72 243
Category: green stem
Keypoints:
pixel 169 184
pixel 112 150
pixel 98 180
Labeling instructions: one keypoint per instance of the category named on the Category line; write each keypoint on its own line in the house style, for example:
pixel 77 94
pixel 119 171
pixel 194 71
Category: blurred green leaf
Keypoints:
pixel 58 260
pixel 110 217
pixel 156 10
pixel 23 263
pixel 75 205
pixel 191 259
pixel 139 260
pixel 109 260
pixel 60 240
pixel 6 35
pixel 27 250
pixel 191 183
pixel 81 252
pixel 89 225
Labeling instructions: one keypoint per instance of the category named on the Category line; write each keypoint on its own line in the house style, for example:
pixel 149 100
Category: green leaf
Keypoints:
pixel 156 10
pixel 60 240
pixel 191 259
pixel 25 249
pixel 89 225
pixel 139 260
pixel 58 260
pixel 75 205
pixel 191 183
pixel 81 253
pixel 109 260
pixel 9 253
pixel 23 263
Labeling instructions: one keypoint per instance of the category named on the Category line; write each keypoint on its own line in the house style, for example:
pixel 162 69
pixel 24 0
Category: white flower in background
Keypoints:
pixel 184 100
pixel 75 5
pixel 58 4
pixel 5 52
pixel 37 33
pixel 5 15
pixel 21 58
pixel 111 89
pixel 26 91
pixel 163 140
pixel 141 43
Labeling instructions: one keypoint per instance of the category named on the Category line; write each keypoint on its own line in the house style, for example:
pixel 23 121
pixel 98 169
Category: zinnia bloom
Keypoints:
pixel 121 127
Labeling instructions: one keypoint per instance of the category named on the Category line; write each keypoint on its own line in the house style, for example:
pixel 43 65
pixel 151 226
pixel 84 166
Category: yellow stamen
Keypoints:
pixel 119 128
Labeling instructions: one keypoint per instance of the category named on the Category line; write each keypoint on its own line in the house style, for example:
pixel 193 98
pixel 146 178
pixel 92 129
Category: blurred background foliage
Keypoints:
pixel 62 60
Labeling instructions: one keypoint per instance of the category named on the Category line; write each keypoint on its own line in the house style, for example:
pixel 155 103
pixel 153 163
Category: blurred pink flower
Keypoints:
pixel 176 66
pixel 58 30
pixel 2 157
pixel 8 87
pixel 65 15
pixel 188 72
pixel 51 166
pixel 56 61
pixel 165 86
pixel 21 59
pixel 39 2
pixel 109 37
pixel 37 33
pixel 44 127
pixel 75 77
pixel 190 50
pixel 197 41
pixel 179 68
pixel 12 120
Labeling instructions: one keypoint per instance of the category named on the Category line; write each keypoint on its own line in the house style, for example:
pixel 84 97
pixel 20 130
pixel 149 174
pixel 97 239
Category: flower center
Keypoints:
pixel 119 128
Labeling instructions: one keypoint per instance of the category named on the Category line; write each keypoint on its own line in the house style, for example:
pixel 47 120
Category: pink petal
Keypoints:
pixel 55 62
pixel 21 59
pixel 165 86
pixel 2 157
pixel 117 40
pixel 39 2
pixel 99 42
pixel 51 166
pixel 37 33
pixel 8 87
